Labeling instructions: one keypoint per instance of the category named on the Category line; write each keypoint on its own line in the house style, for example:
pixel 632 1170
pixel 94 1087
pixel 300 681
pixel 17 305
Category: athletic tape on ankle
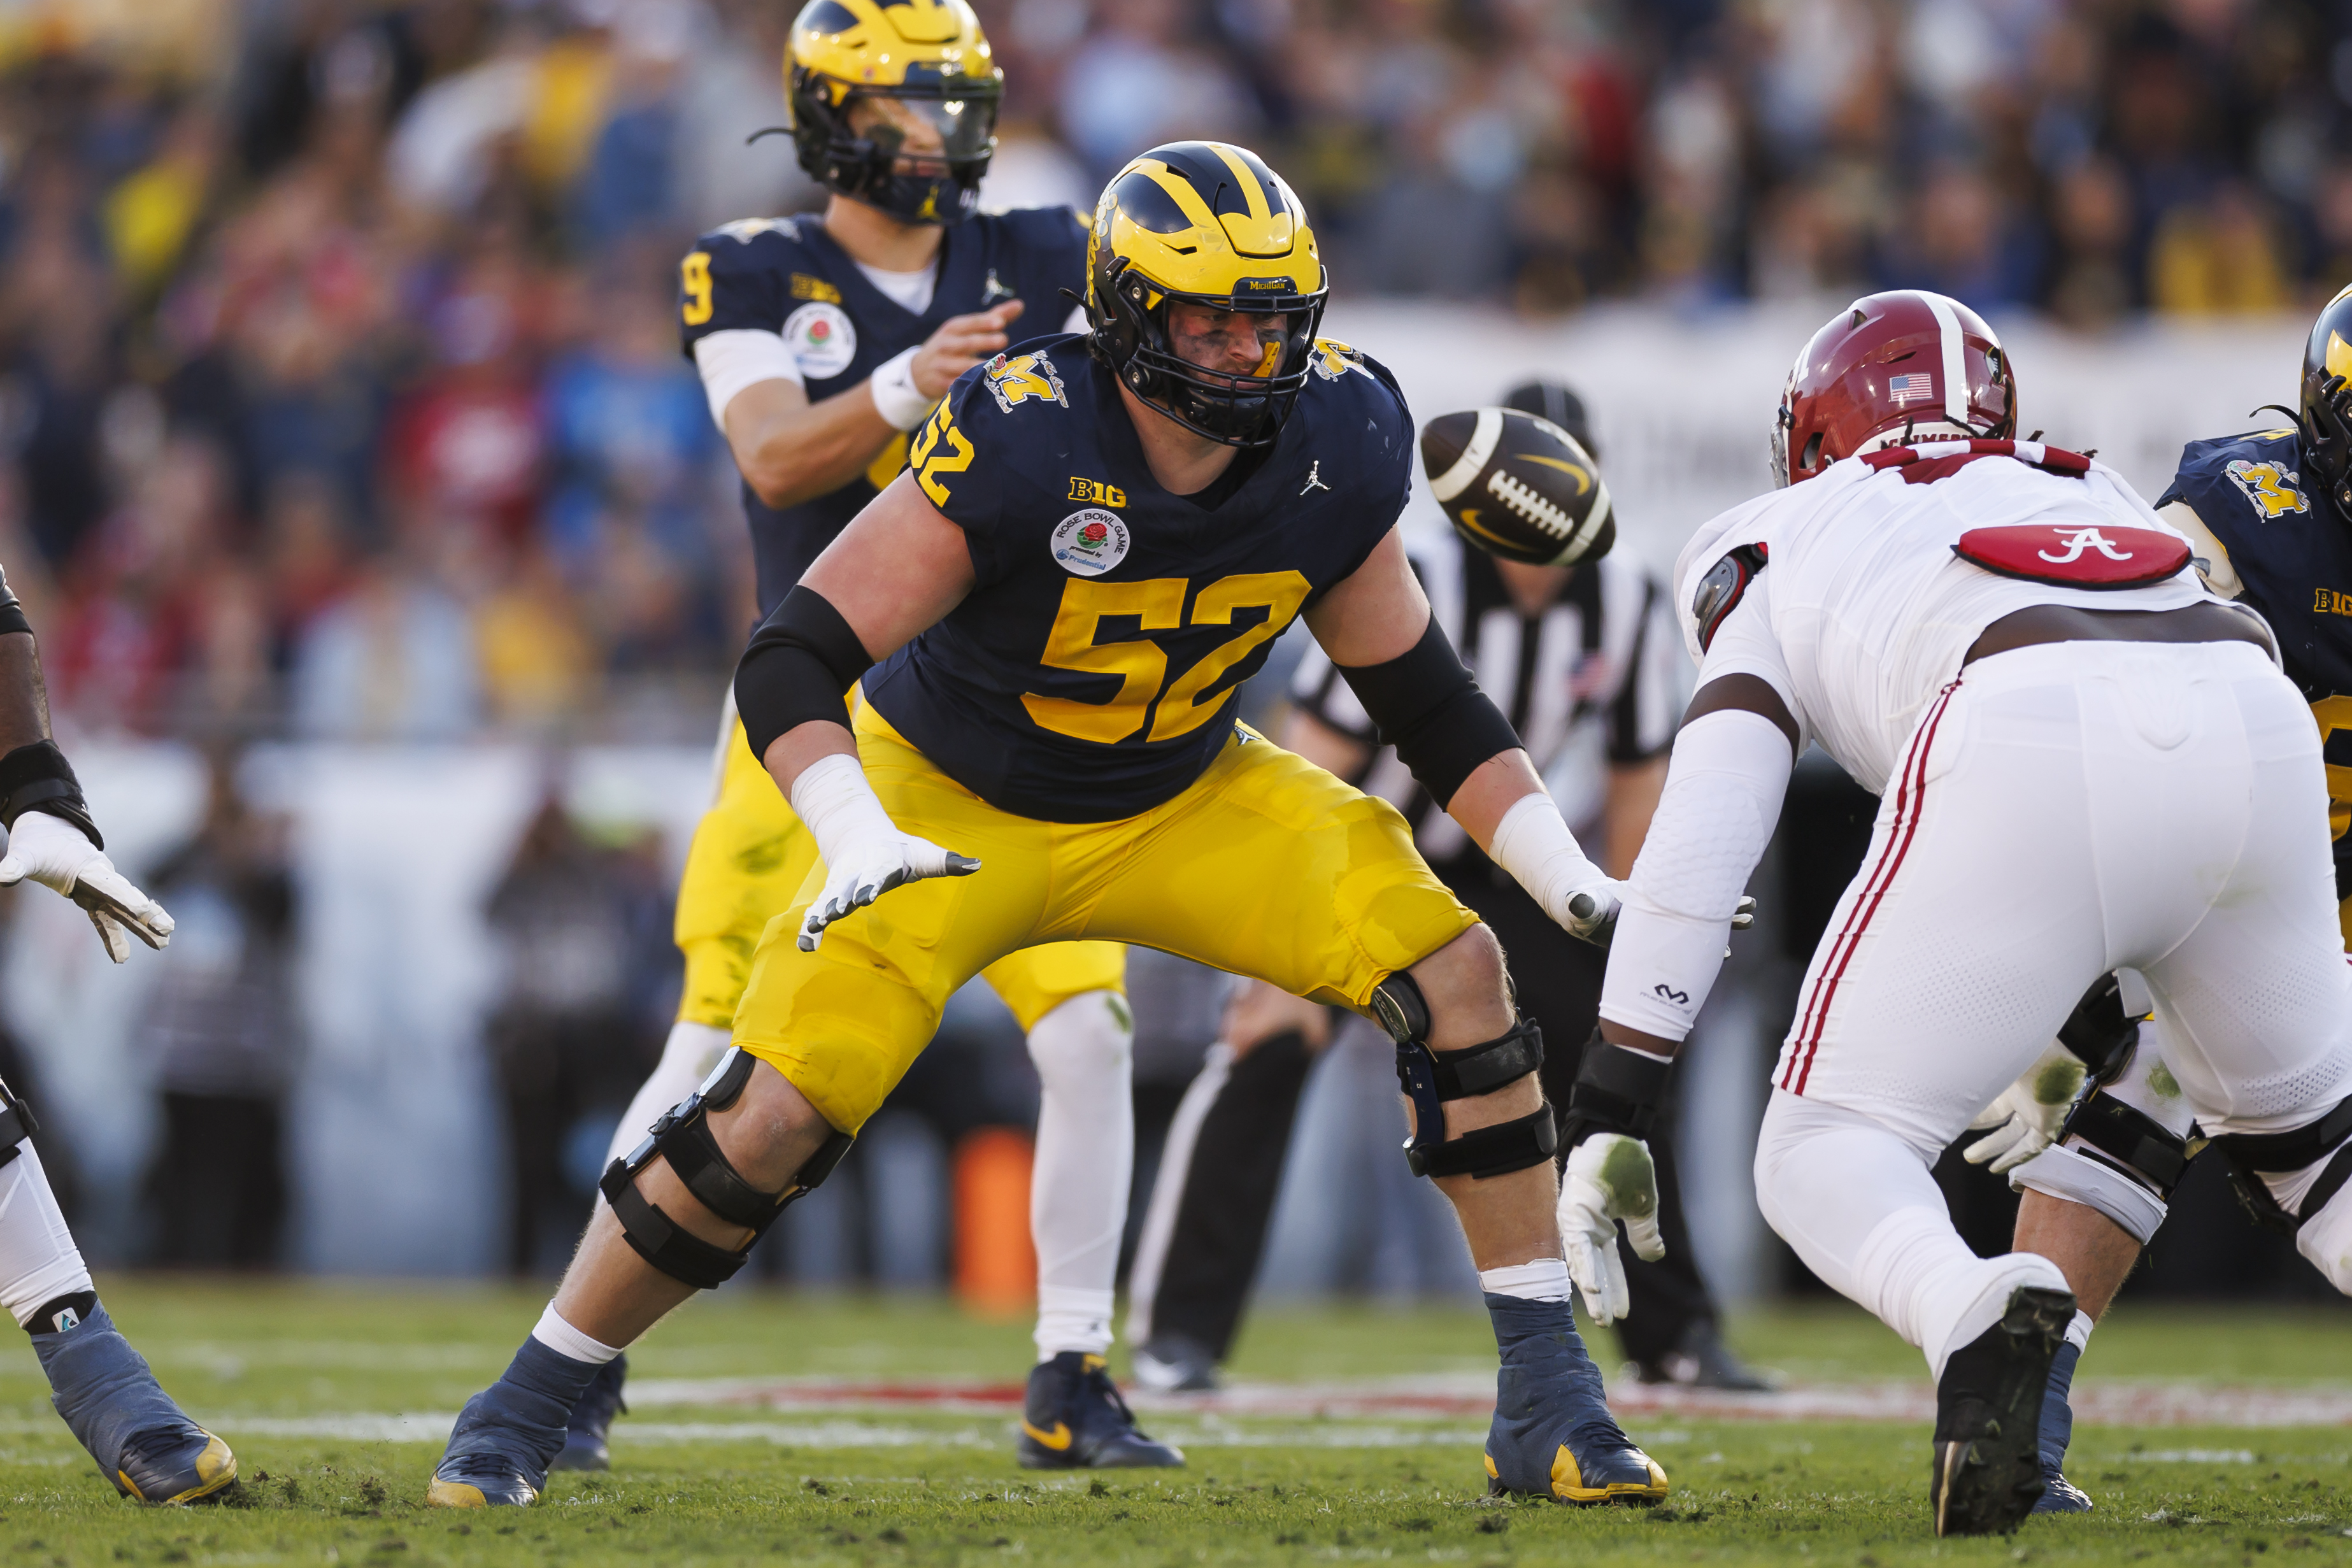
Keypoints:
pixel 561 1338
pixel 1544 1279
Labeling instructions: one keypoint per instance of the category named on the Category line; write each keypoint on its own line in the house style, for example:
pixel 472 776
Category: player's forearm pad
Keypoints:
pixel 802 662
pixel 1723 795
pixel 1426 704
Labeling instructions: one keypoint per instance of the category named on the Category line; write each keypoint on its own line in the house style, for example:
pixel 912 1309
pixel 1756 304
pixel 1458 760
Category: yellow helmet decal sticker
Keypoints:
pixel 2339 355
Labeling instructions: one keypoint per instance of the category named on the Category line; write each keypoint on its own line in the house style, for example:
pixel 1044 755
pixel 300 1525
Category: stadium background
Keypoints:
pixel 387 568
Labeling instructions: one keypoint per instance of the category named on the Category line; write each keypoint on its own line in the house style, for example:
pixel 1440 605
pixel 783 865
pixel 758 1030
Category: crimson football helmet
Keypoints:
pixel 1888 368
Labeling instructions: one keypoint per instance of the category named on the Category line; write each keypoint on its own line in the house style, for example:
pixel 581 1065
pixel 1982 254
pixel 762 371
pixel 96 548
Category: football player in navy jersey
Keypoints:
pixel 820 342
pixel 2269 517
pixel 1093 541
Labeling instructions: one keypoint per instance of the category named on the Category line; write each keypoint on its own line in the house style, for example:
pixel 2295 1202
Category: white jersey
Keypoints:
pixel 1864 612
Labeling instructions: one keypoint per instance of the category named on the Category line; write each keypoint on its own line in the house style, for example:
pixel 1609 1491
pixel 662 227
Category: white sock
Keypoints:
pixel 1544 1279
pixel 687 1058
pixel 38 1260
pixel 1857 1203
pixel 1084 1164
pixel 561 1338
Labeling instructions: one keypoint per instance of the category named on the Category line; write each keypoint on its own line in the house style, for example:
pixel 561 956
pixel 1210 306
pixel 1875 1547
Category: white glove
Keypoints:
pixel 865 854
pixel 1610 1177
pixel 53 852
pixel 2025 1119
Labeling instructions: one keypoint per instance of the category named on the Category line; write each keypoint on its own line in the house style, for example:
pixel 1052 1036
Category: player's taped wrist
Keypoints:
pixel 1425 703
pixel 839 808
pixel 37 778
pixel 902 404
pixel 1722 799
pixel 798 670
pixel 1534 845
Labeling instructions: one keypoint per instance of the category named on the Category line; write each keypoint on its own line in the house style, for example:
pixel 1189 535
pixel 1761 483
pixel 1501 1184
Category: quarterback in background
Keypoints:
pixel 821 343
pixel 1094 542
pixel 2087 763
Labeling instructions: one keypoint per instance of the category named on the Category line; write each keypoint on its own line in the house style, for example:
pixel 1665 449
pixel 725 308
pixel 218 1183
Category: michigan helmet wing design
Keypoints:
pixel 1205 223
pixel 2327 400
pixel 894 104
pixel 1518 486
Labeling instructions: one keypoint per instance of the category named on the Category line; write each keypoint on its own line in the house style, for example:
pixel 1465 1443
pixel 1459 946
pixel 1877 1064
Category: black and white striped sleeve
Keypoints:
pixel 1642 715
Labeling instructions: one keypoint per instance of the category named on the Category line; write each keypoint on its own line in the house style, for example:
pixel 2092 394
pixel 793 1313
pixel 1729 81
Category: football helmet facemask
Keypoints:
pixel 894 104
pixel 2327 401
pixel 1207 224
pixel 1887 369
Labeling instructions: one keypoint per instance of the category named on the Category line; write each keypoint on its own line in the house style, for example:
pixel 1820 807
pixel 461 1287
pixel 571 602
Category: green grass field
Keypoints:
pixel 306 1380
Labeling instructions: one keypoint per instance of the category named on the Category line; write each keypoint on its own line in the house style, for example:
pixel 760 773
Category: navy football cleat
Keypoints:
pixel 592 1420
pixel 1553 1435
pixel 111 1402
pixel 1988 1471
pixel 508 1436
pixel 2058 1495
pixel 1074 1420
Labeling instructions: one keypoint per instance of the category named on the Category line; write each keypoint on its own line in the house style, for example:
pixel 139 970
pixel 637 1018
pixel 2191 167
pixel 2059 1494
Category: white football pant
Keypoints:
pixel 2061 811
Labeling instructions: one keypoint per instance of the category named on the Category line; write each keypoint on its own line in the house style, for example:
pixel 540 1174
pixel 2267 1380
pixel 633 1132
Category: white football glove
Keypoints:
pixel 53 852
pixel 865 854
pixel 2025 1119
pixel 1610 1177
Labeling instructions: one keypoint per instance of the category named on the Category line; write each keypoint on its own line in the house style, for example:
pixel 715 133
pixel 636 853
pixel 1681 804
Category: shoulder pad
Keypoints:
pixel 1725 584
pixel 744 230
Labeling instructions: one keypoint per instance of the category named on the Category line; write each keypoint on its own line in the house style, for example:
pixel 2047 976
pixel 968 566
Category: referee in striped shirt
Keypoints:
pixel 1586 661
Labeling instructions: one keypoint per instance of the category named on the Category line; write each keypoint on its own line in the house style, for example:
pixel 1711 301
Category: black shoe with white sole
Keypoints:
pixel 1988 1456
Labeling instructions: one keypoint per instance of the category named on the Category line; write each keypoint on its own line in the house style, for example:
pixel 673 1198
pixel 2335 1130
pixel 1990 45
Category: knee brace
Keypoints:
pixel 2114 1158
pixel 17 1123
pixel 2254 1156
pixel 2103 1027
pixel 682 1136
pixel 1429 1080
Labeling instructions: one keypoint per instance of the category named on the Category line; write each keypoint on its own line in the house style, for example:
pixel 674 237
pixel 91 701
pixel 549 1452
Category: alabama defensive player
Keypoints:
pixel 2086 761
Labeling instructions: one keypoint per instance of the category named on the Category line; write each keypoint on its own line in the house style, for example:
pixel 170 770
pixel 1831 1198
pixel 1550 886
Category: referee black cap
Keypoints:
pixel 1551 400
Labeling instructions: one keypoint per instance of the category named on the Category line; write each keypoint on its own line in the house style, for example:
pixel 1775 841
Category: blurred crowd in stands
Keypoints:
pixel 339 386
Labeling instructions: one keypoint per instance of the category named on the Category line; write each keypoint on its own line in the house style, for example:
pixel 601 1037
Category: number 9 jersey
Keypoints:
pixel 1090 673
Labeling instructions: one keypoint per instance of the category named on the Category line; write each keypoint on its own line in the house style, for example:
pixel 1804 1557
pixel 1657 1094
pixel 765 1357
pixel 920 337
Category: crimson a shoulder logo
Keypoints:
pixel 1090 543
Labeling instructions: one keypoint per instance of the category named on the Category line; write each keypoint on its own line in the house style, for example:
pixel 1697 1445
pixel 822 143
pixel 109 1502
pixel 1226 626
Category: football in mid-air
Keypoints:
pixel 1518 487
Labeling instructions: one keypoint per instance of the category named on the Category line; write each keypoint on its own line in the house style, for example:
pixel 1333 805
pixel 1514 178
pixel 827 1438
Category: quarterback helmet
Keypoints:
pixel 2327 401
pixel 867 78
pixel 1205 223
pixel 1886 368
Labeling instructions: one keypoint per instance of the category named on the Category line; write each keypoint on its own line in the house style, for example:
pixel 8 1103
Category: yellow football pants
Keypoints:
pixel 1267 866
pixel 748 858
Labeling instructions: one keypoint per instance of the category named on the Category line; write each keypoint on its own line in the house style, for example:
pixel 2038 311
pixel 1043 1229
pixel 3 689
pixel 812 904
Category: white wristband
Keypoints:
pixel 835 803
pixel 896 398
pixel 1542 855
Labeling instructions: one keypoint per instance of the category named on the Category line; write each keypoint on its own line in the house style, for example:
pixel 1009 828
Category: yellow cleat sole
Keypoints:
pixel 460 1494
pixel 215 1468
pixel 1568 1483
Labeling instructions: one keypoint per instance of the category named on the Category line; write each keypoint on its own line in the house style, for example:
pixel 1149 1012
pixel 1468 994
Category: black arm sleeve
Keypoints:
pixel 802 662
pixel 1429 709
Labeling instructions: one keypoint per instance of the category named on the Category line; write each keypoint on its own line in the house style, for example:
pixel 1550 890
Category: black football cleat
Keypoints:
pixel 1988 1471
pixel 1552 1433
pixel 508 1436
pixel 1701 1360
pixel 110 1401
pixel 1074 1420
pixel 584 1446
pixel 1171 1363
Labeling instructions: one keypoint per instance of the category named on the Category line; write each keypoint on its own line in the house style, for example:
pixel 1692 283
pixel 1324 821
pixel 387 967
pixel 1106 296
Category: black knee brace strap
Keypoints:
pixel 2254 1155
pixel 682 1136
pixel 16 1124
pixel 2099 1032
pixel 2130 1140
pixel 1429 1080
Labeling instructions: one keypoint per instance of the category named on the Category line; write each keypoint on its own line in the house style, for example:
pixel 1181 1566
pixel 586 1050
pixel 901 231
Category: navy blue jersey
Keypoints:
pixel 2293 554
pixel 1090 674
pixel 788 275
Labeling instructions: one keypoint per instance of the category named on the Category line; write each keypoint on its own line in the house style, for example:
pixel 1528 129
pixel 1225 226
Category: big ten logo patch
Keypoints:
pixel 1017 378
pixel 1096 490
pixel 807 288
pixel 2328 602
pixel 2270 488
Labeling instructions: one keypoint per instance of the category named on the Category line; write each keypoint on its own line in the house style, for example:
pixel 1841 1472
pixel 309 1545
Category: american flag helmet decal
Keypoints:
pixel 1917 387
